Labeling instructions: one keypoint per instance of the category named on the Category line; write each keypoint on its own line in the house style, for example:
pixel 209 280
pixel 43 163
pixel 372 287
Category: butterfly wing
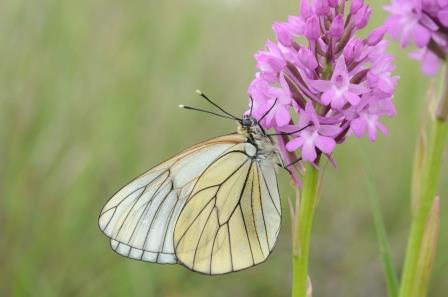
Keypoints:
pixel 232 218
pixel 139 219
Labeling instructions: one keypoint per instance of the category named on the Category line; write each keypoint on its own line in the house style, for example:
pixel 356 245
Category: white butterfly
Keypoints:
pixel 214 208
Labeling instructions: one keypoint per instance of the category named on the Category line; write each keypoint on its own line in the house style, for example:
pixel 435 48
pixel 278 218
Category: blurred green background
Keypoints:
pixel 88 99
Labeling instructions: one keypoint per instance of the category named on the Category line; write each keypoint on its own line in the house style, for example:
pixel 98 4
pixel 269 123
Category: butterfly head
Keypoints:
pixel 249 125
pixel 248 121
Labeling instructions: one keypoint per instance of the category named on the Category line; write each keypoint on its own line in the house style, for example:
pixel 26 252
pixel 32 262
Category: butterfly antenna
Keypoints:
pixel 269 110
pixel 216 105
pixel 206 111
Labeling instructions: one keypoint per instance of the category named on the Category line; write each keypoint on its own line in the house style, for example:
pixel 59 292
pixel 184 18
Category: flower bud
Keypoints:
pixel 353 50
pixel 376 36
pixel 337 27
pixel 282 33
pixel 296 25
pixel 312 28
pixel 305 9
pixel 307 58
pixel 321 7
pixel 361 17
pixel 356 5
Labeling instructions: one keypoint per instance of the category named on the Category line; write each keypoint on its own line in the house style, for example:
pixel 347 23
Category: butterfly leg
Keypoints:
pixel 284 167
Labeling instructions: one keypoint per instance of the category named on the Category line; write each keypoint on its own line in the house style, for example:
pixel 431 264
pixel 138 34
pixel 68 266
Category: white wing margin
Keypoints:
pixel 140 218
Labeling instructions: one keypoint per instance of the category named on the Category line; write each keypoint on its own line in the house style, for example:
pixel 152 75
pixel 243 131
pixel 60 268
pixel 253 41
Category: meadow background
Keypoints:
pixel 88 99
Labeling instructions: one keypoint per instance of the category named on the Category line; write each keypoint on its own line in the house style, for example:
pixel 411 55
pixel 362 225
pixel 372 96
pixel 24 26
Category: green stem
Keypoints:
pixel 430 181
pixel 302 232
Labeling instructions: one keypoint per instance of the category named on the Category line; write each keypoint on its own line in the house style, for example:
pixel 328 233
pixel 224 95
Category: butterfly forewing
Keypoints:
pixel 140 218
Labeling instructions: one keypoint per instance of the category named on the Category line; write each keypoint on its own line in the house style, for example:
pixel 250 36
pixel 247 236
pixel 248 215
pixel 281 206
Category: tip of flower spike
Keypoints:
pixel 349 78
pixel 181 106
pixel 199 92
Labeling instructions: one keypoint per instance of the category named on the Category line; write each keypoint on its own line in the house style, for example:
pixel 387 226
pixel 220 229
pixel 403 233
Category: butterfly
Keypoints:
pixel 214 207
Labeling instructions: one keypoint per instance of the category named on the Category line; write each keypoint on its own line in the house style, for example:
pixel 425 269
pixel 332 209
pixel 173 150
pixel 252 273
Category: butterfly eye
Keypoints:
pixel 247 122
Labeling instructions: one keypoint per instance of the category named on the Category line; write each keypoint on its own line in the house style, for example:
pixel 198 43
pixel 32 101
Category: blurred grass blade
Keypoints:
pixel 428 250
pixel 421 149
pixel 388 265
pixel 419 161
pixel 389 268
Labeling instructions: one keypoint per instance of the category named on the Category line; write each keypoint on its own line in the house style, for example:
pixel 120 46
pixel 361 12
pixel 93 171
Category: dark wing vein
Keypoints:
pixel 218 185
pixel 241 210
pixel 202 232
pixel 272 199
pixel 269 192
pixel 115 208
pixel 247 235
pixel 252 208
pixel 262 210
pixel 242 191
pixel 156 213
pixel 129 212
pixel 230 246
pixel 212 163
pixel 166 229
pixel 147 206
pixel 194 220
pixel 213 246
pixel 211 198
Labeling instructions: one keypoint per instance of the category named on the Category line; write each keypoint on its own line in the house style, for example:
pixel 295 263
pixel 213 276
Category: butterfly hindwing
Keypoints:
pixel 232 218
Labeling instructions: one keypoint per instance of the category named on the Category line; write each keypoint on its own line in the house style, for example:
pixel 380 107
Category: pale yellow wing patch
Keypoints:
pixel 231 219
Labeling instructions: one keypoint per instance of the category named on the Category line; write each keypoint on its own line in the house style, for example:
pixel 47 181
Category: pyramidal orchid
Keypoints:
pixel 424 23
pixel 321 79
pixel 317 83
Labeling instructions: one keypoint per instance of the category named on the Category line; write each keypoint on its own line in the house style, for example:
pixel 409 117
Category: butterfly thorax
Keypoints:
pixel 255 135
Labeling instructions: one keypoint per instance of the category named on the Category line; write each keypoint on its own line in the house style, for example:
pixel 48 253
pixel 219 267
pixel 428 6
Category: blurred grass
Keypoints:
pixel 88 96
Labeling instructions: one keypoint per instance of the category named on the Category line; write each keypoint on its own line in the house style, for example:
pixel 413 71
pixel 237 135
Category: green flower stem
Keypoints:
pixel 430 182
pixel 302 231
